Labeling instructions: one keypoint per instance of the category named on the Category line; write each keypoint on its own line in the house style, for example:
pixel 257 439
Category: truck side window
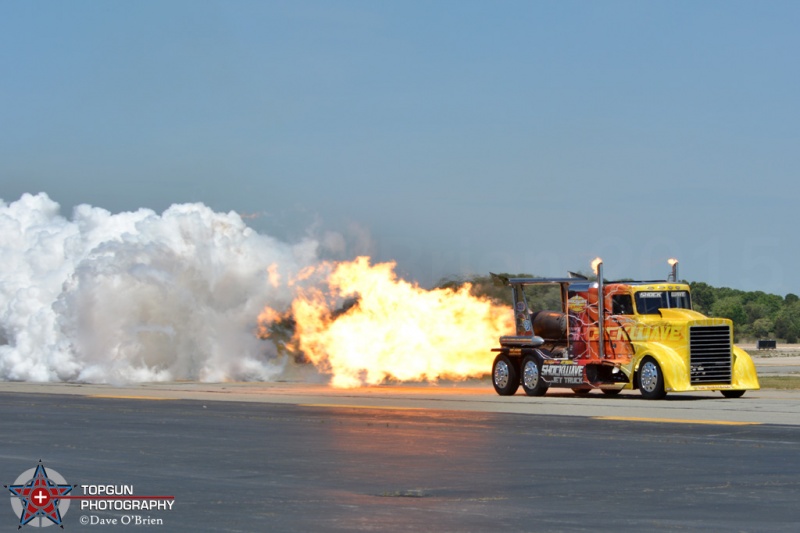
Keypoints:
pixel 621 304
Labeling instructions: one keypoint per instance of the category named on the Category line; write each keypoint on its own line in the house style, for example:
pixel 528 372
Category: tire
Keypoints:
pixel 611 392
pixel 651 380
pixel 532 381
pixel 505 375
pixel 732 393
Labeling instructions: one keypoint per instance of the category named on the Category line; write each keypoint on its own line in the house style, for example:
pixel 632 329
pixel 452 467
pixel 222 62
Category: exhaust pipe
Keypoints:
pixel 597 266
pixel 673 276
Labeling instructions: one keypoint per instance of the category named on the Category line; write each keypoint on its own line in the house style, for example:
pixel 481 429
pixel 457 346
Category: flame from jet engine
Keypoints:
pixel 395 331
pixel 596 264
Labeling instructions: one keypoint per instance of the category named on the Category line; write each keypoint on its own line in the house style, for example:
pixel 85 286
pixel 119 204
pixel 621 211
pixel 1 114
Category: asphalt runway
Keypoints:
pixel 294 457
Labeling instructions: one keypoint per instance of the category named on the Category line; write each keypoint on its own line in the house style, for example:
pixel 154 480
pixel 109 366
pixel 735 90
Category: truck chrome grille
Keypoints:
pixel 710 354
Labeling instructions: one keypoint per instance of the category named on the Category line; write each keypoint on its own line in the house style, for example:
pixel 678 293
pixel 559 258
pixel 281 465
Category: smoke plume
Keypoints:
pixel 138 296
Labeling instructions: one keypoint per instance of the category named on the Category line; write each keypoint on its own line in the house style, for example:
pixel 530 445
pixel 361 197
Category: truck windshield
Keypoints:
pixel 649 302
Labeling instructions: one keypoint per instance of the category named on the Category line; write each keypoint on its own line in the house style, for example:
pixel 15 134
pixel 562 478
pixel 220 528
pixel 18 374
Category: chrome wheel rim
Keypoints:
pixel 649 376
pixel 530 374
pixel 501 374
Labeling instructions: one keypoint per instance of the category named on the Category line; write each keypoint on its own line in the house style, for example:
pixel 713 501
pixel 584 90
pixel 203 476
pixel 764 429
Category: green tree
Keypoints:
pixel 730 307
pixel 755 310
pixel 787 323
pixel 702 297
pixel 762 328
pixel 769 304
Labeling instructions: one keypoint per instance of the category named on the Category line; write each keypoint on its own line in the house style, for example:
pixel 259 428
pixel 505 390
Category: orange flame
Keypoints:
pixel 396 330
pixel 268 316
pixel 596 264
pixel 672 262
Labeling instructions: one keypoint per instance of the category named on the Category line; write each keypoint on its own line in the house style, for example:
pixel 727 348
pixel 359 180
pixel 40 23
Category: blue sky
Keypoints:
pixel 461 136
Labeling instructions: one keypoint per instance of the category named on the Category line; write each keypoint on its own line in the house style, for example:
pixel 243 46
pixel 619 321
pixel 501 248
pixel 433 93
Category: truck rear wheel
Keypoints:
pixel 505 376
pixel 651 380
pixel 532 380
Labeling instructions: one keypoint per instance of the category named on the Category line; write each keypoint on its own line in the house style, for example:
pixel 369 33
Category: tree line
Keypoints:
pixel 755 314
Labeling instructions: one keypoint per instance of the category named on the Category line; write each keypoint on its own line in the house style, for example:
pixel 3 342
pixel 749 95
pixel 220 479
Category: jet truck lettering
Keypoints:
pixel 565 374
pixel 639 333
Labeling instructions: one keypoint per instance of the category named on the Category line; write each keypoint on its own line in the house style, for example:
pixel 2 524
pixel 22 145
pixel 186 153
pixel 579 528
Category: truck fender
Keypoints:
pixel 541 355
pixel 676 373
pixel 744 371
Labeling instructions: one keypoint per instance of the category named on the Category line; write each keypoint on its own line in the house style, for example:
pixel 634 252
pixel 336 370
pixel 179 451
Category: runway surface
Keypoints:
pixel 762 407
pixel 446 457
pixel 455 457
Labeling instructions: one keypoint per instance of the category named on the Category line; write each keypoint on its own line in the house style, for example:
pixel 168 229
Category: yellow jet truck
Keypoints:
pixel 614 336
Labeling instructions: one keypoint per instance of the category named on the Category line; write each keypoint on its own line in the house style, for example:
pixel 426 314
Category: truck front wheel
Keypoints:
pixel 532 380
pixel 651 380
pixel 505 376
pixel 732 393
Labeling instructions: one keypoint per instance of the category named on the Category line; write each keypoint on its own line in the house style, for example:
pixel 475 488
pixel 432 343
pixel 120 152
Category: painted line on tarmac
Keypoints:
pixel 676 421
pixel 351 406
pixel 123 397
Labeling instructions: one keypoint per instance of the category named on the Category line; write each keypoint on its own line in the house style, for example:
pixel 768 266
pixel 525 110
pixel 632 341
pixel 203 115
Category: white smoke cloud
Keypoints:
pixel 137 296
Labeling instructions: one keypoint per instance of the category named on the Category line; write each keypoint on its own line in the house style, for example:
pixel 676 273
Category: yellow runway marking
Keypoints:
pixel 122 397
pixel 677 421
pixel 350 406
